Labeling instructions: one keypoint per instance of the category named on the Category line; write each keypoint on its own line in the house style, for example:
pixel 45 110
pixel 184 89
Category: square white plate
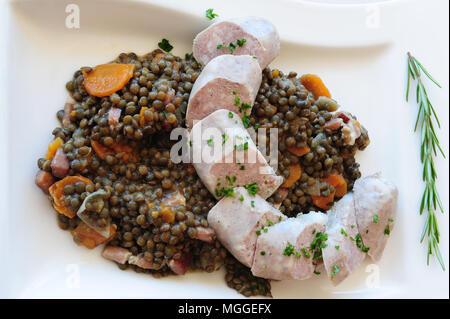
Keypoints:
pixel 358 50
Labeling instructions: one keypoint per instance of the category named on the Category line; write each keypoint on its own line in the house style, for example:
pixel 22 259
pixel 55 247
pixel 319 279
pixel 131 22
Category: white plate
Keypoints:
pixel 359 51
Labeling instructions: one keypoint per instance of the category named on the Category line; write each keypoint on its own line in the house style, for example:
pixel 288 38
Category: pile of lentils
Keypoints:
pixel 284 103
pixel 130 184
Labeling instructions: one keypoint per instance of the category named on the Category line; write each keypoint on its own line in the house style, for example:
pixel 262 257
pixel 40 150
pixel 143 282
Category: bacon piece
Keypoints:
pixel 205 234
pixel 44 180
pixel 114 115
pixel 60 164
pixel 118 254
pixel 181 265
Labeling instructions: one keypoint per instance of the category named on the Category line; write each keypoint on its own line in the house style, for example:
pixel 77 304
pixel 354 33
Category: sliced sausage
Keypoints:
pixel 283 252
pixel 114 115
pixel 375 204
pixel 261 40
pixel 351 129
pixel 238 220
pixel 118 254
pixel 239 160
pixel 60 164
pixel 344 251
pixel 225 83
pixel 44 180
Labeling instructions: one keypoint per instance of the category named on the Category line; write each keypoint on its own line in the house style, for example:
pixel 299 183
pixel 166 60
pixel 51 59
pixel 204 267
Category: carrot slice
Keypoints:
pixel 53 146
pixel 339 184
pixel 57 193
pixel 105 79
pixel 89 237
pixel 101 150
pixel 142 121
pixel 296 173
pixel 314 84
pixel 299 151
pixel 323 202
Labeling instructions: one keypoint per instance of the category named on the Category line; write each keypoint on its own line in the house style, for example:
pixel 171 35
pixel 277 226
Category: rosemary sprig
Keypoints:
pixel 428 150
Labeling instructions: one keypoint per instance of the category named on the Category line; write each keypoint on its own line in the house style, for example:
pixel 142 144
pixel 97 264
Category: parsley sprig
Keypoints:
pixel 427 118
pixel 210 14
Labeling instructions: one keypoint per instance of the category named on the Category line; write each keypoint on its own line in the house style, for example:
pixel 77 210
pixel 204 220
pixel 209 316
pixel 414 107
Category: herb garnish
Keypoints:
pixel 227 192
pixel 375 219
pixel 289 249
pixel 210 14
pixel 210 142
pixel 230 115
pixel 252 188
pixel 428 150
pixel 165 45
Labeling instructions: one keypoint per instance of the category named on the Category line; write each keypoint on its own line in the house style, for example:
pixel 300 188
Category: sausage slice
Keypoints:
pixel 261 40
pixel 225 83
pixel 283 252
pixel 239 161
pixel 344 251
pixel 238 220
pixel 375 204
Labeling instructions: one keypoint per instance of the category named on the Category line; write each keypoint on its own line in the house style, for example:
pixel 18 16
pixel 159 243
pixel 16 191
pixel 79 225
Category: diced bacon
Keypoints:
pixel 334 124
pixel 205 234
pixel 114 115
pixel 118 254
pixel 140 261
pixel 181 265
pixel 60 164
pixel 344 117
pixel 44 180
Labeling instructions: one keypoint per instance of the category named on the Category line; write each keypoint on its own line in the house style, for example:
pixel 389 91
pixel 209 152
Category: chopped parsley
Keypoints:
pixel 365 249
pixel 241 147
pixel 252 188
pixel 227 192
pixel 237 100
pixel 165 45
pixel 258 232
pixel 241 42
pixel 224 138
pixel 264 266
pixel 246 120
pixel 188 56
pixel 242 168
pixel 244 106
pixel 289 249
pixel 256 127
pixel 298 255
pixel 231 180
pixel 230 115
pixel 343 232
pixel 262 253
pixel 306 253
pixel 253 205
pixel 164 113
pixel 391 220
pixel 254 57
pixel 387 230
pixel 241 198
pixel 210 14
pixel 316 272
pixel 280 218
pixel 269 222
pixel 314 231
pixel 337 247
pixel 352 226
pixel 376 219
pixel 210 142
pixel 335 270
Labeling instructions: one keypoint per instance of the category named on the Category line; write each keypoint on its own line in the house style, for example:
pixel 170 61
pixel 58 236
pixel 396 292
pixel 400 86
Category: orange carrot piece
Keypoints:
pixel 339 184
pixel 89 237
pixel 314 84
pixel 295 174
pixel 168 215
pixel 57 193
pixel 53 146
pixel 101 150
pixel 105 79
pixel 323 202
pixel 142 121
pixel 299 151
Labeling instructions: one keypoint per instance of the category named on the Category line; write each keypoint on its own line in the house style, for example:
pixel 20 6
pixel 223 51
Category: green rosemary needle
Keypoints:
pixel 428 150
